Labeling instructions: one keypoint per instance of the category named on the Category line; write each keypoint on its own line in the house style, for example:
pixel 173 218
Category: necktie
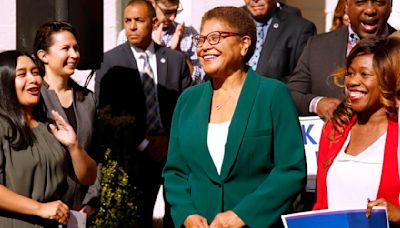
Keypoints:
pixel 353 40
pixel 153 122
pixel 260 40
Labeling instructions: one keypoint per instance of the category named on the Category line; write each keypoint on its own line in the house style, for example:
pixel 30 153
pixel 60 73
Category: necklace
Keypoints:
pixel 219 106
pixel 235 94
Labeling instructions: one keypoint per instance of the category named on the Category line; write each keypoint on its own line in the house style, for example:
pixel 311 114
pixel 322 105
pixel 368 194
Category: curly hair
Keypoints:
pixel 387 63
pixel 375 46
pixel 236 18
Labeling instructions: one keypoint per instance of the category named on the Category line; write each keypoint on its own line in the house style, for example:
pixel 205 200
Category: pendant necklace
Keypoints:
pixel 219 106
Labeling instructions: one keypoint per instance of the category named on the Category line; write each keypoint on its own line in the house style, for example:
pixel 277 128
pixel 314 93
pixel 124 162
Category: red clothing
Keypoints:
pixel 389 186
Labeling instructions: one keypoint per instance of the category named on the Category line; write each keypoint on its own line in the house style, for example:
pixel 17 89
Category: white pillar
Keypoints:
pixel 8 24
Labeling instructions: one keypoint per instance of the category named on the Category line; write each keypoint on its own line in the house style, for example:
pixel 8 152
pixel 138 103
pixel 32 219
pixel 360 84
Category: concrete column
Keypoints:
pixel 8 24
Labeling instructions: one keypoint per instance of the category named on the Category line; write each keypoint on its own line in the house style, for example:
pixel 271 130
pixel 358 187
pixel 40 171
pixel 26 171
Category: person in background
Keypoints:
pixel 281 37
pixel 33 161
pixel 241 119
pixel 145 79
pixel 357 156
pixel 169 33
pixel 311 83
pixel 340 18
pixel 56 48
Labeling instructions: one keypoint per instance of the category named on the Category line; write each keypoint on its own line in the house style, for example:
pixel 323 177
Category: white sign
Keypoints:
pixel 311 127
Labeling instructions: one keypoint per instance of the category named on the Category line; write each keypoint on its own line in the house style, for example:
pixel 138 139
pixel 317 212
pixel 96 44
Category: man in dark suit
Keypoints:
pixel 143 79
pixel 311 83
pixel 281 36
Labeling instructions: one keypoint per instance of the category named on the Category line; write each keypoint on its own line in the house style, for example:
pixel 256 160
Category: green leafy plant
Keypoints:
pixel 120 197
pixel 118 200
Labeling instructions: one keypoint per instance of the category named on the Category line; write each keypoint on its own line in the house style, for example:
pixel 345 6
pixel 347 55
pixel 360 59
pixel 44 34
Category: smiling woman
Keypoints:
pixel 56 48
pixel 28 147
pixel 222 173
pixel 357 157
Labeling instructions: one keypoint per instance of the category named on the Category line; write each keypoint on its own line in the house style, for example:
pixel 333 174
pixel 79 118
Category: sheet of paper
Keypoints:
pixel 76 220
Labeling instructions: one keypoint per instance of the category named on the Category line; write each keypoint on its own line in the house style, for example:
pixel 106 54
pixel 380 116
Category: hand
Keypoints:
pixel 176 38
pixel 88 210
pixel 393 211
pixel 195 221
pixel 63 131
pixel 157 148
pixel 55 210
pixel 158 33
pixel 227 219
pixel 326 106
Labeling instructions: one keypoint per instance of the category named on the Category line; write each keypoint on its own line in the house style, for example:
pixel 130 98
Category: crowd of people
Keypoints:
pixel 214 116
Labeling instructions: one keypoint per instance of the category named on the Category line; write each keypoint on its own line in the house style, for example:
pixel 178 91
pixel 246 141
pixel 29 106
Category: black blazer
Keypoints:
pixel 118 83
pixel 287 35
pixel 322 55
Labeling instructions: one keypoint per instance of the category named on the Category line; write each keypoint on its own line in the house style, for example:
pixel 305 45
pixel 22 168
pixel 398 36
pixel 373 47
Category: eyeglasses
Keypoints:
pixel 169 12
pixel 212 37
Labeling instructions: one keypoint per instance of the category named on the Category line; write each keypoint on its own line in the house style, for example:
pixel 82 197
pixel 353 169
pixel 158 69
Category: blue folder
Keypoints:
pixel 354 218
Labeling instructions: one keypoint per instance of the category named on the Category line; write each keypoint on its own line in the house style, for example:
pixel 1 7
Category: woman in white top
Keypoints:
pixel 357 158
pixel 236 154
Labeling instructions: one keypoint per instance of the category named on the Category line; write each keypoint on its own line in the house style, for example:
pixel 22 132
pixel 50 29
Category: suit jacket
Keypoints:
pixel 290 9
pixel 312 76
pixel 389 186
pixel 287 35
pixel 263 167
pixel 84 103
pixel 118 82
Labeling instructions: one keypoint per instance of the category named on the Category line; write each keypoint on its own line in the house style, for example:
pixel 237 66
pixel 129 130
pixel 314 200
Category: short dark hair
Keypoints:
pixel 10 109
pixel 239 20
pixel 151 12
pixel 44 40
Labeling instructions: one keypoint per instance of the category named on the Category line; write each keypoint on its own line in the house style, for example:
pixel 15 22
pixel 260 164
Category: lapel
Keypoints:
pixel 161 61
pixel 239 121
pixel 130 58
pixel 51 100
pixel 341 40
pixel 273 34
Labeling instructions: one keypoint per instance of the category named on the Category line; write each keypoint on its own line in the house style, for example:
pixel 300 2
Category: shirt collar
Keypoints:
pixel 354 37
pixel 150 51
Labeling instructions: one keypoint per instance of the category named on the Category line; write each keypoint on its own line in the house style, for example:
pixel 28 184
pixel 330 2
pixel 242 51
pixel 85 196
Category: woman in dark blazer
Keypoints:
pixel 56 48
pixel 236 155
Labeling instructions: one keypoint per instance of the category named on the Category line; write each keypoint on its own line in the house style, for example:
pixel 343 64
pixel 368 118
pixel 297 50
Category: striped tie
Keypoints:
pixel 154 126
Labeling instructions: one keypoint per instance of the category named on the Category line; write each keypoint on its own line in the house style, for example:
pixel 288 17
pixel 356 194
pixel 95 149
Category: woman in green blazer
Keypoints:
pixel 236 155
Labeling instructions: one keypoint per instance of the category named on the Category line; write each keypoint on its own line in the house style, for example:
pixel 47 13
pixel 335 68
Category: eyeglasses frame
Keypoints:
pixel 222 34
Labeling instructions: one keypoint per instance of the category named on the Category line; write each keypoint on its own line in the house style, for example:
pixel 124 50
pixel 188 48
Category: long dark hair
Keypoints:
pixel 11 110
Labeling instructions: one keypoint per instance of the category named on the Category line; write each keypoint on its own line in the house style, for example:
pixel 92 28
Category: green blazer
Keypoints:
pixel 264 165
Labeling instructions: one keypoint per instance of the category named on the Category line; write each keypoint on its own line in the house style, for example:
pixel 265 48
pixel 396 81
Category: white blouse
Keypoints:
pixel 351 180
pixel 216 139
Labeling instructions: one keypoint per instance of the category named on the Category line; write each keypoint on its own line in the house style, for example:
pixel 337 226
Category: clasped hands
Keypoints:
pixel 227 219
